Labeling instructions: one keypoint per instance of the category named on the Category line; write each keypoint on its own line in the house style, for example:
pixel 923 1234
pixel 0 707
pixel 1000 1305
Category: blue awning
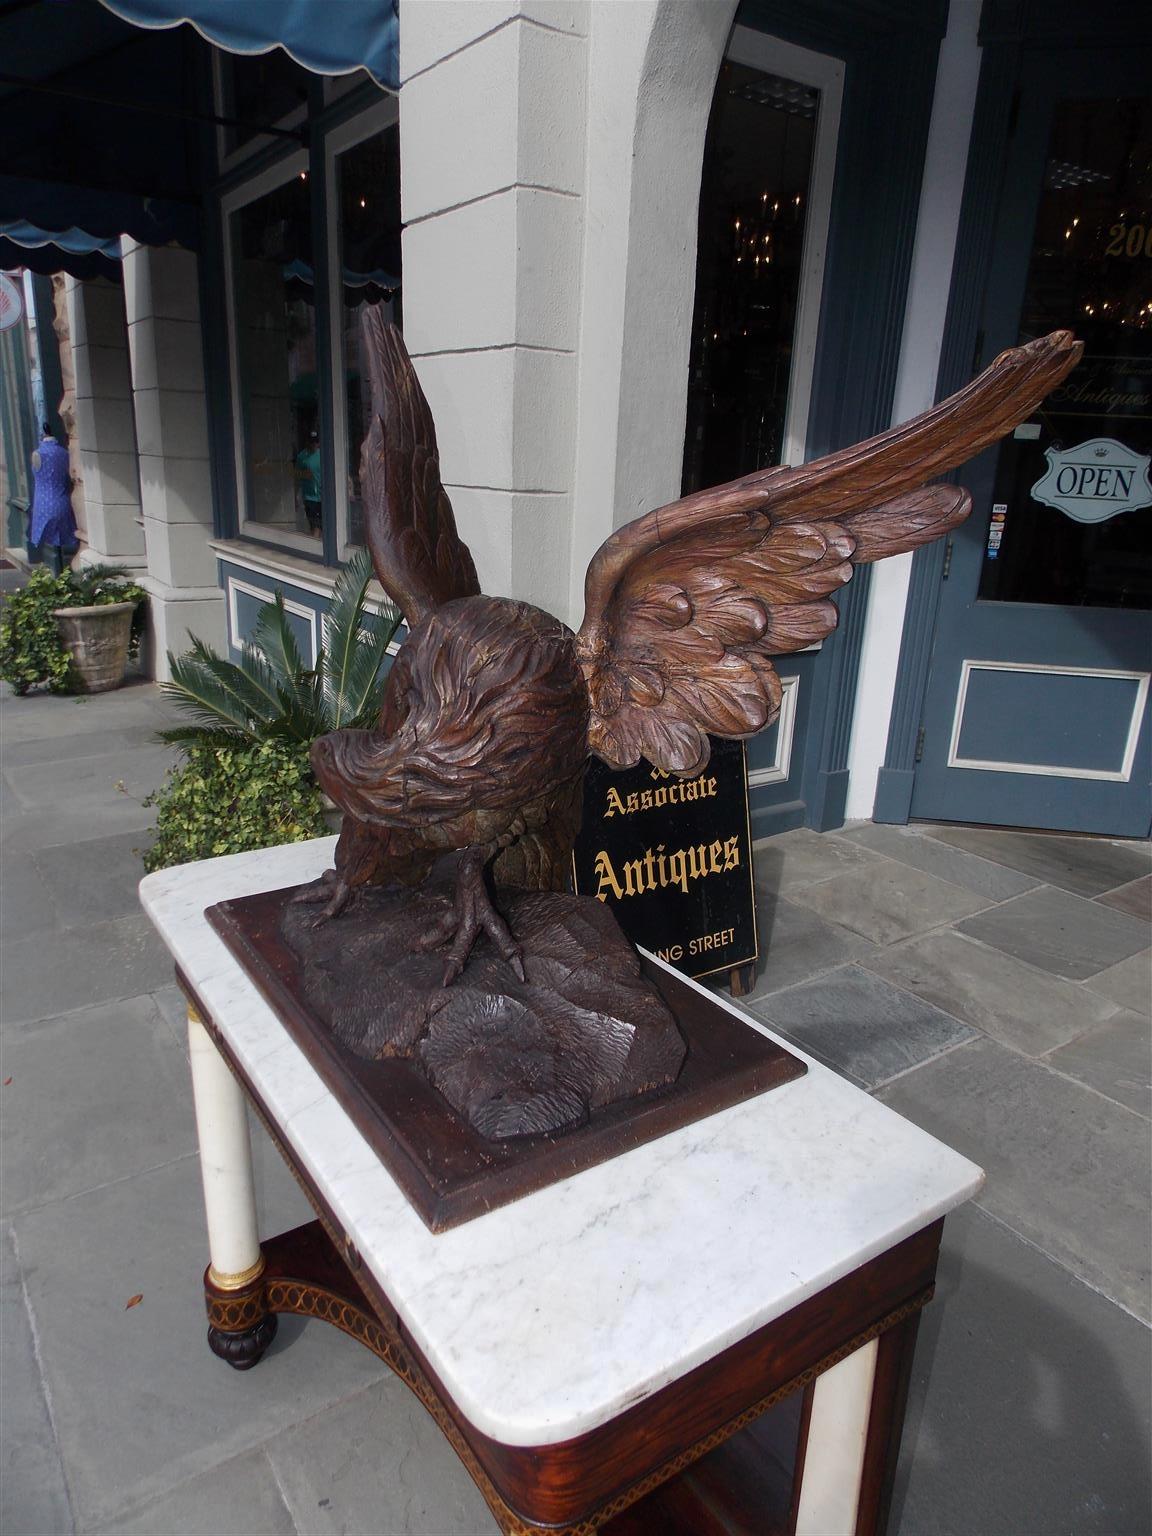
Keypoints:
pixel 99 115
pixel 329 37
pixel 53 250
pixel 45 259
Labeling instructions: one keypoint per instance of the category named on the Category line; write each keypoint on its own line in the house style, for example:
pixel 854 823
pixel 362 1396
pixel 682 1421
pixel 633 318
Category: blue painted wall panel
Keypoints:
pixel 1051 719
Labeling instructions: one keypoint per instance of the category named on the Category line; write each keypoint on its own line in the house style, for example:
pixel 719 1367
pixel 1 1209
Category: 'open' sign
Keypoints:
pixel 1095 480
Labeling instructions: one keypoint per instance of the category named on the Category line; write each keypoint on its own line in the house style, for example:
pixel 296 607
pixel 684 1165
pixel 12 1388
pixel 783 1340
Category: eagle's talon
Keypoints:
pixel 470 914
pixel 316 890
pixel 331 888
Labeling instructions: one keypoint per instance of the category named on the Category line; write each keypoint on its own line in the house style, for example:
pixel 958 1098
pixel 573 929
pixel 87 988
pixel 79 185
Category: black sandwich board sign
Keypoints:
pixel 673 859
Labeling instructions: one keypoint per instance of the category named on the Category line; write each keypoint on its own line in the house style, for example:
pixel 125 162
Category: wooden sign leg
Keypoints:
pixel 741 979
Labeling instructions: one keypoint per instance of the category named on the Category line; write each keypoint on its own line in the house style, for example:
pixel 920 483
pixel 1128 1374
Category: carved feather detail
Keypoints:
pixel 420 559
pixel 684 606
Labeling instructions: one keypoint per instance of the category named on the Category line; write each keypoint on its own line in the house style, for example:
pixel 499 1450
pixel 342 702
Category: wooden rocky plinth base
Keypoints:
pixel 629 1048
pixel 583 1030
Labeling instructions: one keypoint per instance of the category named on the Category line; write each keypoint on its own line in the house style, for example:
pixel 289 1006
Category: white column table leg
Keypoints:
pixel 225 1163
pixel 837 1434
pixel 240 1327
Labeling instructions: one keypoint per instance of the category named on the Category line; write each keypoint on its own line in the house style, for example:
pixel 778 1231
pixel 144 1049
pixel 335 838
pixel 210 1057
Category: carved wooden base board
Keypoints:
pixel 449 1171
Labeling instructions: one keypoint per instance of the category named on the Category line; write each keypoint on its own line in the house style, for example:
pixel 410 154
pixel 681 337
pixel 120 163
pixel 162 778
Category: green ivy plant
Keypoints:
pixel 31 652
pixel 246 781
pixel 225 799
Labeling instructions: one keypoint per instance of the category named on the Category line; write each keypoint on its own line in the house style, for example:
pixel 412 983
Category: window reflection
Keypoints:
pixel 259 90
pixel 368 201
pixel 753 205
pixel 275 320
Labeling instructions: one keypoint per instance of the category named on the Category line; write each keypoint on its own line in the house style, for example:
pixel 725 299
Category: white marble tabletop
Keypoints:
pixel 551 1315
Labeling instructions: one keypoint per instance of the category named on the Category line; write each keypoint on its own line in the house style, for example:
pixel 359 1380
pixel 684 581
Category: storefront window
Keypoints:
pixel 754 206
pixel 367 199
pixel 276 375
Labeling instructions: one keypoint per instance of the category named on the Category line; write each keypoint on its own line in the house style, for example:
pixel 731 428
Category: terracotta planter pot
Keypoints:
pixel 96 638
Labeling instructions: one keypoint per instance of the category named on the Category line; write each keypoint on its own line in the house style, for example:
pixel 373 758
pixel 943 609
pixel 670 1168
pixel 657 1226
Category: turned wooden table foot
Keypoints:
pixel 240 1326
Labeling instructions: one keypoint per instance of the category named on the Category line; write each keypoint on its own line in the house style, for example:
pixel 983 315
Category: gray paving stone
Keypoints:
pixel 859 1025
pixel 1129 983
pixel 1085 865
pixel 889 901
pixel 909 846
pixel 91 782
pixel 281 1204
pixel 80 967
pixel 95 1096
pixel 796 944
pixel 26 904
pixel 141 1405
pixel 377 1465
pixel 239 1498
pixel 1029 1409
pixel 65 825
pixel 174 1011
pixel 1029 1009
pixel 803 857
pixel 97 876
pixel 96 743
pixel 1058 932
pixel 9 800
pixel 1115 1058
pixel 47 717
pixel 1135 899
pixel 33 1492
pixel 1067 1169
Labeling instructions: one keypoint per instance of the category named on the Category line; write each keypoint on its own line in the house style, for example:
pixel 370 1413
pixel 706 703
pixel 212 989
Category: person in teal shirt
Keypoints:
pixel 308 470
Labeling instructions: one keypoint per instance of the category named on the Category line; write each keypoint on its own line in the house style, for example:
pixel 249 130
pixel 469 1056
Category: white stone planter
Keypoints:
pixel 97 639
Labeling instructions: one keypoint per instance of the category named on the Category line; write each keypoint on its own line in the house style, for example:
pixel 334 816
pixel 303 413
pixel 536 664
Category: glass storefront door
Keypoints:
pixel 1037 711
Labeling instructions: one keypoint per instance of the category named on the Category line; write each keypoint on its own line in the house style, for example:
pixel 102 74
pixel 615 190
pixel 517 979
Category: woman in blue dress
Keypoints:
pixel 53 525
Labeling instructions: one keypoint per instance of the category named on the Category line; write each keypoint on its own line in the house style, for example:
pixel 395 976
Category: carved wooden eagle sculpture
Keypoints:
pixel 492 706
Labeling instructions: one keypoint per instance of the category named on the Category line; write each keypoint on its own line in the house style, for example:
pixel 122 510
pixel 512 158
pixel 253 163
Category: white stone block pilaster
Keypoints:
pixel 104 426
pixel 170 411
pixel 493 208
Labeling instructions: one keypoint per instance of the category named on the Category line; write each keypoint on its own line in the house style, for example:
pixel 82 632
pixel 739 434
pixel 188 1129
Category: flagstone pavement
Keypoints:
pixel 991 985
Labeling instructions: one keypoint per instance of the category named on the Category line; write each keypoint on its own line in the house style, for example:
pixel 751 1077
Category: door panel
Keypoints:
pixel 1037 709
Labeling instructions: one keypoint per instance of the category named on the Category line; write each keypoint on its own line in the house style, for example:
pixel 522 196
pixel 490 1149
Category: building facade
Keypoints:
pixel 638 248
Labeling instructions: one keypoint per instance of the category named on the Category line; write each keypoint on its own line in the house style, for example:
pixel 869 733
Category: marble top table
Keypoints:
pixel 551 1317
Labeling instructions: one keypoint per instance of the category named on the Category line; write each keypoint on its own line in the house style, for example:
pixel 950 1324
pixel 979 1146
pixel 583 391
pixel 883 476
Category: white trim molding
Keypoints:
pixel 264 596
pixel 780 768
pixel 1121 775
pixel 291 570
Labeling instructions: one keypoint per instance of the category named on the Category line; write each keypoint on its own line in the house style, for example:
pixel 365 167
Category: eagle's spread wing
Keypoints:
pixel 684 606
pixel 420 559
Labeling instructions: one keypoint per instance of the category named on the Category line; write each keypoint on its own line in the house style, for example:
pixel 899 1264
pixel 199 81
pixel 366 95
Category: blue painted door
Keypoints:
pixel 1037 710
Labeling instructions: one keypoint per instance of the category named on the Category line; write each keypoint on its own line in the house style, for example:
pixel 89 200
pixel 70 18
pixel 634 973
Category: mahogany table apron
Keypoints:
pixel 847 1350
